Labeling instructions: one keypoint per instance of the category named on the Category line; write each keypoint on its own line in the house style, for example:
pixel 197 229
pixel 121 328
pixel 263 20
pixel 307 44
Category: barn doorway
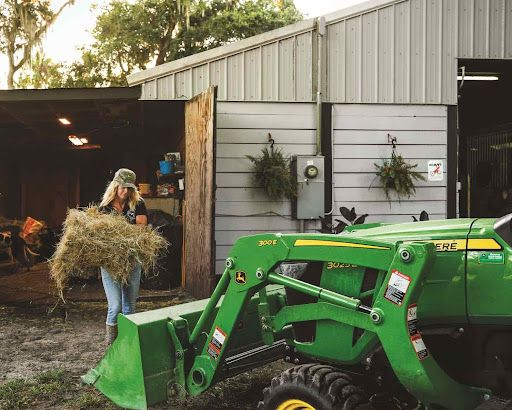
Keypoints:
pixel 485 138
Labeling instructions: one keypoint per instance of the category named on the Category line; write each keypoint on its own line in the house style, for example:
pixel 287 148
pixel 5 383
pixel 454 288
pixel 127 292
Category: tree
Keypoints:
pixel 23 23
pixel 132 36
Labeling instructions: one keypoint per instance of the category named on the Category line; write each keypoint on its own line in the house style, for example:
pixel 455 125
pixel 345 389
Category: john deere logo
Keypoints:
pixel 240 277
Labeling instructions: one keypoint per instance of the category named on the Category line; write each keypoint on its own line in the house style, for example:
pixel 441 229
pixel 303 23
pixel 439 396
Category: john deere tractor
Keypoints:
pixel 415 315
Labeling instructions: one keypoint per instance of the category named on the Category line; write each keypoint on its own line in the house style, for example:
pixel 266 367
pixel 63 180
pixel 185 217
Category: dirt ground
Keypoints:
pixel 45 347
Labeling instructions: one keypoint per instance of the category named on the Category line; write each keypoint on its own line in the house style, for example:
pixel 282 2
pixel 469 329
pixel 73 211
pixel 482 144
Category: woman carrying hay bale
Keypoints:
pixel 122 197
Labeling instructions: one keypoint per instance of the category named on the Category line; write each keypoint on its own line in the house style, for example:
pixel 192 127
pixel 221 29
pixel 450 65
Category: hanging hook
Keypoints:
pixel 271 140
pixel 392 140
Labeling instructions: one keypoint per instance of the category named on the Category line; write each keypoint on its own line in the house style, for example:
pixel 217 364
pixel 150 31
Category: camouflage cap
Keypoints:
pixel 125 177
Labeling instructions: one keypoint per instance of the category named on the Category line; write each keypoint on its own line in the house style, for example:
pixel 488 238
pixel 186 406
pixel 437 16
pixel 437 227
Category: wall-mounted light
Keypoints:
pixel 84 140
pixel 64 121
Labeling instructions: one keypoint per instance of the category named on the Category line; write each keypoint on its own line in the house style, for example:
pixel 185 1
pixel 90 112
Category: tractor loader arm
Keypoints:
pixel 197 357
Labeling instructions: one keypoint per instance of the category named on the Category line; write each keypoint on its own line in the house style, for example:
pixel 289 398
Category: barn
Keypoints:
pixel 432 76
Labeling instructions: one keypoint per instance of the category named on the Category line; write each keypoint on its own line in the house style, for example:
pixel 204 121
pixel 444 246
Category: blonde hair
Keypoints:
pixel 110 194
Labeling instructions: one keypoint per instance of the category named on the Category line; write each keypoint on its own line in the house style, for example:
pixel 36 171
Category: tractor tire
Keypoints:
pixel 313 387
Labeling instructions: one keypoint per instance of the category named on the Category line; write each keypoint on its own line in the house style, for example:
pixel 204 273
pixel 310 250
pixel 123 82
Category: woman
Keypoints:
pixel 121 197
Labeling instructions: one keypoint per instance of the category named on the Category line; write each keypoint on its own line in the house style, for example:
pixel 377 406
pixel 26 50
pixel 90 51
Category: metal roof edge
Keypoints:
pixel 221 52
pixel 103 93
pixel 358 9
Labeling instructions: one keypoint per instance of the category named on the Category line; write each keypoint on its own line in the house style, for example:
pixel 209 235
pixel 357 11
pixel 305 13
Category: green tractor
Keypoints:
pixel 415 315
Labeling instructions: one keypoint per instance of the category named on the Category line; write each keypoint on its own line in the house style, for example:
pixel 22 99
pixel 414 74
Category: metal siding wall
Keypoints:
pixel 402 53
pixel 336 61
pixel 286 69
pixel 449 55
pixel 353 60
pixel 418 39
pixel 433 52
pixel 385 67
pixel 269 72
pixel 369 57
pixel 496 24
pixel 182 80
pixel 242 129
pixel 218 76
pixel 235 72
pixel 508 29
pixel 304 67
pixel 360 140
pixel 481 29
pixel 200 79
pixel 466 29
pixel 252 74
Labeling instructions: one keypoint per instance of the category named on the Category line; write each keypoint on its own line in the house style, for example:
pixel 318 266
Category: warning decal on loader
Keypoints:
pixel 397 287
pixel 216 343
pixel 419 347
pixel 412 320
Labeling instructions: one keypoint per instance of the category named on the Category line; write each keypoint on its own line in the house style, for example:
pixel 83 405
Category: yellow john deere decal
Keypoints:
pixel 451 245
pixel 318 242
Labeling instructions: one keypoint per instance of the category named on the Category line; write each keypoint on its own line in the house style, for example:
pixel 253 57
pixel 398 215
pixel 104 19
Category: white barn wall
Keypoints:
pixel 242 129
pixel 360 140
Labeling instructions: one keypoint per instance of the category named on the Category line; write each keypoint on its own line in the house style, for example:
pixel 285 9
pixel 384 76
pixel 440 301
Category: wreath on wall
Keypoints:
pixel 396 174
pixel 272 172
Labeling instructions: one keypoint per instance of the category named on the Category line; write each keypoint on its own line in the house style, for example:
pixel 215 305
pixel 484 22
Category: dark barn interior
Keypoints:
pixel 485 139
pixel 42 173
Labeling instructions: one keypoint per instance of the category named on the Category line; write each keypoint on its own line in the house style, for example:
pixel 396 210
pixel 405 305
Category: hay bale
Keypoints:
pixel 92 239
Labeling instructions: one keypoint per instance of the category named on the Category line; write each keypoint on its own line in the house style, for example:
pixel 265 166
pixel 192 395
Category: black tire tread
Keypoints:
pixel 322 380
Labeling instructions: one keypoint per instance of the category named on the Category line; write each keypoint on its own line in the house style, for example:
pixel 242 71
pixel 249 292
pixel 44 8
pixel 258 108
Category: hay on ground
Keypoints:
pixel 92 239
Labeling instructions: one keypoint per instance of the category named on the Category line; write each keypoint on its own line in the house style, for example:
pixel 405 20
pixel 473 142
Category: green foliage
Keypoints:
pixel 22 26
pixel 396 174
pixel 272 172
pixel 132 36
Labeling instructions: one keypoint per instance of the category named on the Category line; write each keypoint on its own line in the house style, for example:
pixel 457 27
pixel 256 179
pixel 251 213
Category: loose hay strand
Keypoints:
pixel 92 239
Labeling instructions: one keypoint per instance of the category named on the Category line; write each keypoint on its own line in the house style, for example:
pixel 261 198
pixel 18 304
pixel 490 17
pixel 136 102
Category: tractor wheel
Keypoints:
pixel 313 387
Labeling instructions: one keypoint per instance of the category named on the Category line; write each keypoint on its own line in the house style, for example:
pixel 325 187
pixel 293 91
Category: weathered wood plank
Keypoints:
pixel 367 164
pixel 388 110
pixel 341 137
pixel 252 208
pixel 200 202
pixel 377 194
pixel 271 108
pixel 241 150
pixel 365 180
pixel 390 124
pixel 260 136
pixel 384 151
pixel 394 207
pixel 264 121
pixel 272 223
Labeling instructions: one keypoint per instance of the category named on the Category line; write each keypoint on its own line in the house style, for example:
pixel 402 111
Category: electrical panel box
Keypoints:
pixel 310 173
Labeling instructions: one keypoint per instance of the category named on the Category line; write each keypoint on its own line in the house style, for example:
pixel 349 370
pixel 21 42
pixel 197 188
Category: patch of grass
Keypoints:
pixel 89 400
pixel 21 394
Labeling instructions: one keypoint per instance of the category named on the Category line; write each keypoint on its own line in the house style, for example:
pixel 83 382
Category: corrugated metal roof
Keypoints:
pixel 381 51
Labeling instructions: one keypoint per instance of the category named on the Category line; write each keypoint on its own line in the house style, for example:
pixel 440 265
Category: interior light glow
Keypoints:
pixel 84 140
pixel 64 121
pixel 75 140
pixel 478 78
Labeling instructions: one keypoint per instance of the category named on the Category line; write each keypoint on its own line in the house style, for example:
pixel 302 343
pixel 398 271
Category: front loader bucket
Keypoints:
pixel 145 364
pixel 135 371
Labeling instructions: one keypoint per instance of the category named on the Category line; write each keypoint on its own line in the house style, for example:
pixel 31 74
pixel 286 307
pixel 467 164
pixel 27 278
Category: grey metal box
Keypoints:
pixel 310 202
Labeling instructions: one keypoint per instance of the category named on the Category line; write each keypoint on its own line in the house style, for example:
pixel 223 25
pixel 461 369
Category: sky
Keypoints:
pixel 73 27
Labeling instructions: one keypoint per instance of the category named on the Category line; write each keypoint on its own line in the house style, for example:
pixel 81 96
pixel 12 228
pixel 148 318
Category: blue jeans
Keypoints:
pixel 121 298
